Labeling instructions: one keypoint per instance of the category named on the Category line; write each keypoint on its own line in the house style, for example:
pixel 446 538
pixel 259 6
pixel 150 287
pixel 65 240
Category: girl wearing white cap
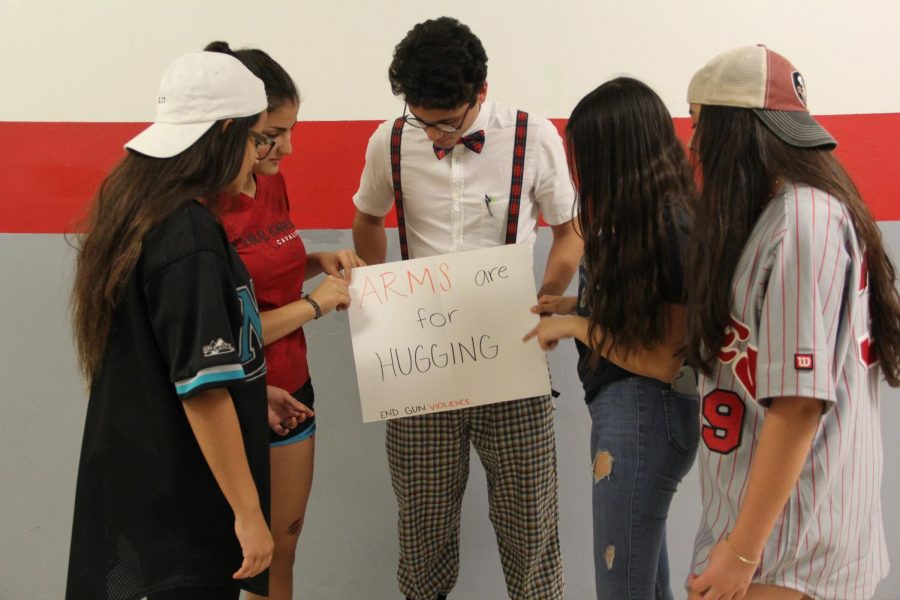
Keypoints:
pixel 173 484
pixel 793 320
pixel 279 264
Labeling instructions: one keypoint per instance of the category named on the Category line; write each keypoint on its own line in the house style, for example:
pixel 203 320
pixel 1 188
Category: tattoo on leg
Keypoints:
pixel 294 528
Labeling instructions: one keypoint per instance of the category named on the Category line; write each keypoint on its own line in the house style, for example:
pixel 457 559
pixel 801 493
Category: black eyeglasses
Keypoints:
pixel 442 127
pixel 262 144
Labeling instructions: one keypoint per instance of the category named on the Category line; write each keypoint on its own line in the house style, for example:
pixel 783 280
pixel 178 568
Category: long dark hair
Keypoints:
pixel 280 88
pixel 740 161
pixel 137 195
pixel 632 178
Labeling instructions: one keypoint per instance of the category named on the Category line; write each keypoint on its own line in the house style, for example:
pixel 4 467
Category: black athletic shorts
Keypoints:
pixel 304 430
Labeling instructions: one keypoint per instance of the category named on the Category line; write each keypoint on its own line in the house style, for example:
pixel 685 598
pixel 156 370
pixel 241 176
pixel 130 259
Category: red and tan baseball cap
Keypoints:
pixel 757 78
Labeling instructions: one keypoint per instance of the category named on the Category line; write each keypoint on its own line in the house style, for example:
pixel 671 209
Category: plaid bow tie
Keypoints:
pixel 473 141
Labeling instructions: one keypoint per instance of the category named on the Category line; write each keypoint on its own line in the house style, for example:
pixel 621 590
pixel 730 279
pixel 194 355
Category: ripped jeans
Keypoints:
pixel 644 438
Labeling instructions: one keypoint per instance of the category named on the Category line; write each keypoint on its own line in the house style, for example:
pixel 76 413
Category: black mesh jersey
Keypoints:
pixel 149 515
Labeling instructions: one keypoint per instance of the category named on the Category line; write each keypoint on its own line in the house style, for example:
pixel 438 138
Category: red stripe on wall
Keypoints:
pixel 52 169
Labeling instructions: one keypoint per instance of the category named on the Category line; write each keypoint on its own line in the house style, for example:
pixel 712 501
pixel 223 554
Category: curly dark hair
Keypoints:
pixel 632 178
pixel 440 64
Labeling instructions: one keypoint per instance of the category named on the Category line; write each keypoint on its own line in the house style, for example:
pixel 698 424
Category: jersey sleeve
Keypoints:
pixel 553 189
pixel 803 298
pixel 195 315
pixel 376 189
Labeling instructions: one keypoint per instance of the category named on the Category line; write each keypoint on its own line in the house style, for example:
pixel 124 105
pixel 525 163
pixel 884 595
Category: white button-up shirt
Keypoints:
pixel 444 201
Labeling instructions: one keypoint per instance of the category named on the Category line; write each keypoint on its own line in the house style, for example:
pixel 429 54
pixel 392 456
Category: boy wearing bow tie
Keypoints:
pixel 465 173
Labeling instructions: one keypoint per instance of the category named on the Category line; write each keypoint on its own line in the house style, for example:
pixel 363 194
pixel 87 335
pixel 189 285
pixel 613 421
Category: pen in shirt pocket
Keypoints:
pixel 488 200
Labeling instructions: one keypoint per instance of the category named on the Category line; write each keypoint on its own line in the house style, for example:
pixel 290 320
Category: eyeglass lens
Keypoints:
pixel 442 127
pixel 262 144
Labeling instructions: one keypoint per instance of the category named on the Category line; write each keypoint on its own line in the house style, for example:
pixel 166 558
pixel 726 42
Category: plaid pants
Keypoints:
pixel 429 461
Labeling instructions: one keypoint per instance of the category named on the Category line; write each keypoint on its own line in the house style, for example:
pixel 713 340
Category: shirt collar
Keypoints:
pixel 481 121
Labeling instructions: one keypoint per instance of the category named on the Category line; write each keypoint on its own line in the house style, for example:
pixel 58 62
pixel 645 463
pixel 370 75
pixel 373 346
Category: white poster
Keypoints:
pixel 445 332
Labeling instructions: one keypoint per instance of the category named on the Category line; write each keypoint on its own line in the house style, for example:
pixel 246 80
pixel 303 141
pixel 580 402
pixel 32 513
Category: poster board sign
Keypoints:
pixel 445 332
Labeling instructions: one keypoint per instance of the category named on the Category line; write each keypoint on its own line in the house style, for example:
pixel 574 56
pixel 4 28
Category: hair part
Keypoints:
pixel 135 197
pixel 633 180
pixel 440 64
pixel 740 161
pixel 280 88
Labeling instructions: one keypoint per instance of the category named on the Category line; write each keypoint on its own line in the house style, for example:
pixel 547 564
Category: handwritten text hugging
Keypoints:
pixel 403 361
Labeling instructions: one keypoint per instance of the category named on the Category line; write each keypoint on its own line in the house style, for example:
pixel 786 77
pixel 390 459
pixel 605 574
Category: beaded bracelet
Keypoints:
pixel 314 304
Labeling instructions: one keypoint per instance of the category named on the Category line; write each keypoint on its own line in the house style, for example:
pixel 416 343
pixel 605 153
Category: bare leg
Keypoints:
pixel 292 476
pixel 764 592
pixel 773 592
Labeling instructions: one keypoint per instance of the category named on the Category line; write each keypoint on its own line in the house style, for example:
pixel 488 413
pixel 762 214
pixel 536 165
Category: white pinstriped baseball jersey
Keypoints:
pixel 800 327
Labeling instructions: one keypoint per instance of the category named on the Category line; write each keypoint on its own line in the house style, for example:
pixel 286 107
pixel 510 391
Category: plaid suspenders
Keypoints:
pixel 515 188
pixel 396 134
pixel 518 171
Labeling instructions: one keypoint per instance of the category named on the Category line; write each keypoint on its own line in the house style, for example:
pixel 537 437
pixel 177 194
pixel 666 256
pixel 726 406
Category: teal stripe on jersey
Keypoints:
pixel 210 375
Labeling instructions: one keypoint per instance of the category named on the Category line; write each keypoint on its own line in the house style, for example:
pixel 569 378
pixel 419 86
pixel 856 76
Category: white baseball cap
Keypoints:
pixel 197 90
pixel 757 78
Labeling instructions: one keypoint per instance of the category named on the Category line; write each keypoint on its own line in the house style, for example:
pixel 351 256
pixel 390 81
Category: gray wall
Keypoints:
pixel 348 550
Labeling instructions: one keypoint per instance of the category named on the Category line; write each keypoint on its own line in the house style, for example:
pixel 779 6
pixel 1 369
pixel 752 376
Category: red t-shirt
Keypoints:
pixel 267 241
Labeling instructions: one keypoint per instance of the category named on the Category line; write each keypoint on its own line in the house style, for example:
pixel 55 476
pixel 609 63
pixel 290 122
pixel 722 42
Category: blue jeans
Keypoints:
pixel 644 438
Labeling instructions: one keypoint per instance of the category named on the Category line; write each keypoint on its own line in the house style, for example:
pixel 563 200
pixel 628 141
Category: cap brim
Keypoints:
pixel 165 140
pixel 796 128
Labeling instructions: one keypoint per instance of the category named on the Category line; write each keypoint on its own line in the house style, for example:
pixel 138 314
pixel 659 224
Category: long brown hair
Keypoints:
pixel 740 161
pixel 632 179
pixel 137 195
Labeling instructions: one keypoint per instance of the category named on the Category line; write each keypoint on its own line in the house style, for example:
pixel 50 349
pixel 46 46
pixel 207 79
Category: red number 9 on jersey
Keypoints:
pixel 724 412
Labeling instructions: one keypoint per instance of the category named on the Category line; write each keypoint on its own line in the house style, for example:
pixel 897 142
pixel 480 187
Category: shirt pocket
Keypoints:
pixel 493 215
